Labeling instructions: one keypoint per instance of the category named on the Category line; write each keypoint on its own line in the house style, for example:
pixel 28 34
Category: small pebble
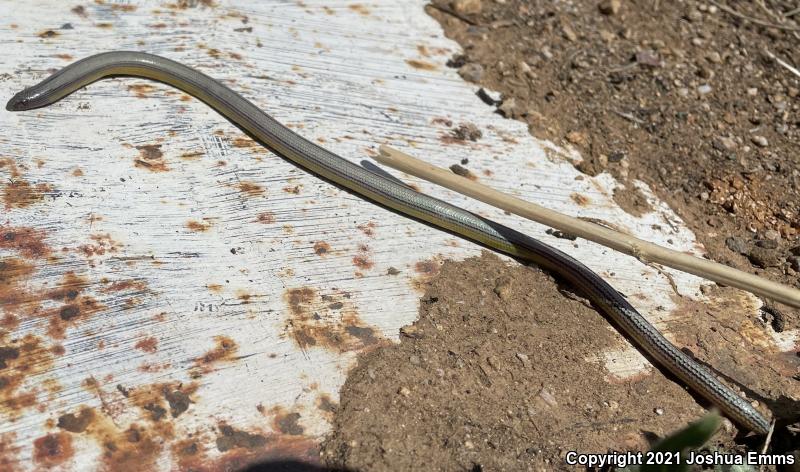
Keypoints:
pixel 547 397
pixel 609 7
pixel 467 7
pixel 471 72
pixel 509 108
pixel 760 141
pixel 772 235
pixel 704 89
pixel 577 138
pixel 569 33
pixel 725 144
pixel 762 257
pixel 659 411
pixel 502 287
pixel 794 263
pixel 404 391
pixel 737 245
pixel 714 57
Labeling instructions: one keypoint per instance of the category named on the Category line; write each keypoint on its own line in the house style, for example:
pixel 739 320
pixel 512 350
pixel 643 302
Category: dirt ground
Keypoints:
pixel 686 96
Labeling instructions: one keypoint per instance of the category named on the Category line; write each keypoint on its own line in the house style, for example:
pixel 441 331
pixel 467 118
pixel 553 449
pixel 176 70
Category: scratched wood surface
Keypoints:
pixel 173 295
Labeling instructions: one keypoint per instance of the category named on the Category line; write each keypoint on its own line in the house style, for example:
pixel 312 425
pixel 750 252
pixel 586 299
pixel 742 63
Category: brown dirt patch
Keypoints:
pixel 495 376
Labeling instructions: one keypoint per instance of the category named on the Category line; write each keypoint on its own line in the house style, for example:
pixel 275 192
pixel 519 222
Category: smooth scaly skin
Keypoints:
pixel 399 198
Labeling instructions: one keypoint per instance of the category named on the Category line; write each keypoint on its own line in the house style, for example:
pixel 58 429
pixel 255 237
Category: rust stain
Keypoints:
pixel 326 321
pixel 123 7
pixel 184 4
pixel 191 156
pixel 102 244
pixel 76 423
pixel 76 306
pixel 368 229
pixel 104 25
pixel 79 10
pixel 426 269
pixel 362 262
pixel 141 91
pixel 326 405
pixel 124 448
pixel 579 199
pixel 244 297
pixel 286 422
pixel 148 344
pixel 224 351
pixel 161 401
pixel 66 57
pixel 422 65
pixel 132 285
pixel 151 158
pixel 21 359
pixel 214 288
pixel 53 449
pixel 21 194
pixel 77 172
pixel 296 448
pixel 190 454
pixel 133 449
pixel 244 142
pixel 230 438
pixel 9 452
pixel 321 248
pixel 14 297
pixel 28 242
pixel 251 188
pixel 11 165
pixel 48 34
pixel 198 226
pixel 293 190
pixel 266 218
pixel 358 8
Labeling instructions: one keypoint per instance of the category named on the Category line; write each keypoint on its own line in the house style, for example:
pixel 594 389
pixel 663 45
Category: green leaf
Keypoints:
pixel 694 436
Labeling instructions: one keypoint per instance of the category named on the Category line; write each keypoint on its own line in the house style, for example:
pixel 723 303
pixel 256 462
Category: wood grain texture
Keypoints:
pixel 174 295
